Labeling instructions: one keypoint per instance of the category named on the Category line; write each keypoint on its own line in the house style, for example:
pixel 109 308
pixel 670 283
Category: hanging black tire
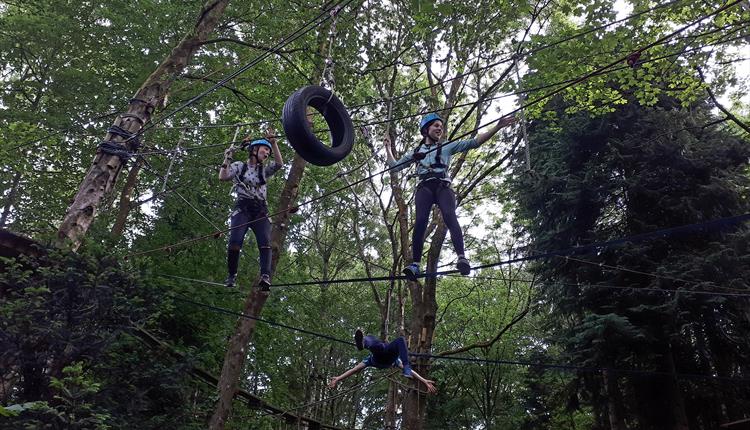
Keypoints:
pixel 300 135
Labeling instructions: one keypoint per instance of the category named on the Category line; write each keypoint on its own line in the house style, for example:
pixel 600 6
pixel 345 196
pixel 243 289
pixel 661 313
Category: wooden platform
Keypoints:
pixel 13 244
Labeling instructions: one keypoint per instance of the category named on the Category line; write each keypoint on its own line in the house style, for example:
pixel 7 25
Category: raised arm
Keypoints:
pixel 502 122
pixel 346 374
pixel 271 137
pixel 391 161
pixel 224 174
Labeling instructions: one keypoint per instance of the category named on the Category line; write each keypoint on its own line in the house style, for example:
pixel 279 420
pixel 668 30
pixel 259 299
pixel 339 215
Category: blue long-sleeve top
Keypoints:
pixel 425 165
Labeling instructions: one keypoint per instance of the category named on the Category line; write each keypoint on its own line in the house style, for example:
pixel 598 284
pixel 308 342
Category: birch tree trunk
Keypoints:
pixel 105 168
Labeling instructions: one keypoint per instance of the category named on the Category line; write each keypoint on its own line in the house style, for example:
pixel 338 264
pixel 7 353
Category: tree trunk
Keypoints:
pixel 102 175
pixel 614 401
pixel 234 359
pixel 11 198
pixel 127 192
pixel 676 401
pixel 424 309
pixel 391 406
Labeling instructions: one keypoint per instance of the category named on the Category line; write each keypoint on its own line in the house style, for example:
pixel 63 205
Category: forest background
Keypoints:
pixel 634 120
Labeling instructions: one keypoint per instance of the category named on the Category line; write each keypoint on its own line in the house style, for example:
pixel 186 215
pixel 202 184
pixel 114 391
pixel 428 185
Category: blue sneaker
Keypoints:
pixel 407 371
pixel 412 271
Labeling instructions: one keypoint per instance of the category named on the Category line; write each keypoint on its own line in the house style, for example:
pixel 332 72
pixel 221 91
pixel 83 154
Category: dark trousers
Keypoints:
pixel 386 353
pixel 431 192
pixel 250 214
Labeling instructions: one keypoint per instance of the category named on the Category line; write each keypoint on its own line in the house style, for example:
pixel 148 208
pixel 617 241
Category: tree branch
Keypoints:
pixel 278 52
pixel 488 343
pixel 729 115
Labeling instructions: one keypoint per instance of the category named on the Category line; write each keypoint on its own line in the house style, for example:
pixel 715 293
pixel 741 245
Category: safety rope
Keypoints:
pixel 565 253
pixel 472 360
pixel 327 78
pixel 538 100
pixel 555 43
pixel 172 158
pixel 522 115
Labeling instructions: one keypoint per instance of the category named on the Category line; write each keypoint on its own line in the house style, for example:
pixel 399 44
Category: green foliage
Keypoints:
pixel 74 405
pixel 637 170
pixel 621 153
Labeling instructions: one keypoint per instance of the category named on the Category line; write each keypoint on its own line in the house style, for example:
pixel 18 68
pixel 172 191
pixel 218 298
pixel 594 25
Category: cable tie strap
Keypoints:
pixel 125 134
pixel 114 148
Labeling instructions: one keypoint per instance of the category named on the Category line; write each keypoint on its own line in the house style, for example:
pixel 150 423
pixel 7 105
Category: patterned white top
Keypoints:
pixel 250 187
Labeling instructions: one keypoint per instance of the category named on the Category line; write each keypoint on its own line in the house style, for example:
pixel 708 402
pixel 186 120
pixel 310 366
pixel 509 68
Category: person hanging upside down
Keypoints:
pixel 383 356
pixel 433 158
pixel 250 208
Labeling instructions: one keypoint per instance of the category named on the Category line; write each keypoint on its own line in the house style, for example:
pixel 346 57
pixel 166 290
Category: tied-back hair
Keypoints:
pixel 438 162
pixel 259 167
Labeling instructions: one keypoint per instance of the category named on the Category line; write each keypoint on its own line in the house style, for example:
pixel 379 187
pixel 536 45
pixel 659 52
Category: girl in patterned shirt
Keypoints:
pixel 250 208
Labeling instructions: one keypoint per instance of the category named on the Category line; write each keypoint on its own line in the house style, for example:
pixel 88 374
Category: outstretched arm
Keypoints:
pixel 346 374
pixel 271 137
pixel 502 122
pixel 430 384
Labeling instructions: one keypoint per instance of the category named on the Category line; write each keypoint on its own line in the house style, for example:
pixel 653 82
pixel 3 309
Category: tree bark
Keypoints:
pixel 676 401
pixel 11 198
pixel 391 406
pixel 105 168
pixel 614 401
pixel 234 359
pixel 127 192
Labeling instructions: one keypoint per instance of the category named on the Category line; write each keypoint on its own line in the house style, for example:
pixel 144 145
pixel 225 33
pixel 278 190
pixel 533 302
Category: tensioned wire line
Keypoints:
pixel 301 31
pixel 528 91
pixel 582 249
pixel 377 120
pixel 283 42
pixel 489 66
pixel 525 54
pixel 223 68
pixel 585 285
pixel 531 103
pixel 511 279
pixel 572 37
pixel 644 273
pixel 562 367
pixel 408 116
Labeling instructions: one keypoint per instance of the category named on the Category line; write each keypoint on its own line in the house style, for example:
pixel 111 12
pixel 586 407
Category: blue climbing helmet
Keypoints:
pixel 259 142
pixel 427 120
